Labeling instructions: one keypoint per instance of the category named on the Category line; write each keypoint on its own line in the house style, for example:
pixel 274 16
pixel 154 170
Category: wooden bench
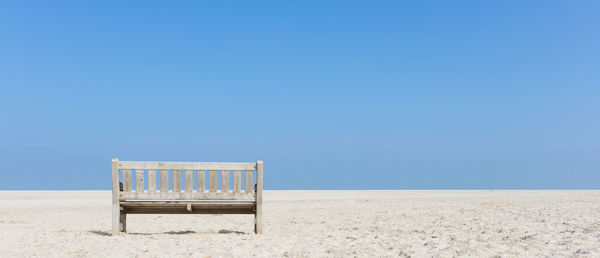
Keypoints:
pixel 158 199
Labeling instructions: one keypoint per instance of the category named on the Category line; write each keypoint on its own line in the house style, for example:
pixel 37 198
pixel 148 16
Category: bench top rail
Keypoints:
pixel 186 165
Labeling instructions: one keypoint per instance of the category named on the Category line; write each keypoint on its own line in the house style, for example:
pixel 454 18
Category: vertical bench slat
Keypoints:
pixel 126 180
pixel 237 181
pixel 151 180
pixel 200 181
pixel 224 181
pixel 164 180
pixel 176 181
pixel 189 181
pixel 139 180
pixel 248 188
pixel 212 181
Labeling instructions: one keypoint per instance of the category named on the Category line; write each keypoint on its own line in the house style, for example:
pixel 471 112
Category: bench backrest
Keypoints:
pixel 151 180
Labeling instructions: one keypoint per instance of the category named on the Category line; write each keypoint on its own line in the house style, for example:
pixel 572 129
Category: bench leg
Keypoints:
pixel 123 221
pixel 258 222
pixel 115 219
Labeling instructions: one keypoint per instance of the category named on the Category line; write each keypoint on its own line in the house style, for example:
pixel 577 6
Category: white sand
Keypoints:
pixel 314 223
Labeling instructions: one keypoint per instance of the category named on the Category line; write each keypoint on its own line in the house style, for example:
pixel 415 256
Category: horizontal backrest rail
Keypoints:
pixel 185 165
pixel 186 196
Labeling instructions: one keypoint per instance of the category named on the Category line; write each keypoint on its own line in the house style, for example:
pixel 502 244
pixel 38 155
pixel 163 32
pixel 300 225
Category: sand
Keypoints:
pixel 315 224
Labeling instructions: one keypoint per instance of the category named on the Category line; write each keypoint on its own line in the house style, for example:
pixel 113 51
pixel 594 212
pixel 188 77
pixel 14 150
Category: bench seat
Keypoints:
pixel 189 207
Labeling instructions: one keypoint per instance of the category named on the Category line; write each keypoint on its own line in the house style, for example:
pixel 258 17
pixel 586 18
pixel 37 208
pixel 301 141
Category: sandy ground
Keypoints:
pixel 314 223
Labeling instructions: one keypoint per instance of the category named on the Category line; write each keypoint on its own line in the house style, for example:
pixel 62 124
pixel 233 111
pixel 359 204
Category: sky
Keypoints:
pixel 330 94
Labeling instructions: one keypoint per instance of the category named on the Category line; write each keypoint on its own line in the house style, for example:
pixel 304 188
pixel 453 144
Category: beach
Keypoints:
pixel 480 223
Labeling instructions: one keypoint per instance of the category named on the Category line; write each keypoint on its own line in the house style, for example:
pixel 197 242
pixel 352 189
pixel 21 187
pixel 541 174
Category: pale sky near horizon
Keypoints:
pixel 330 94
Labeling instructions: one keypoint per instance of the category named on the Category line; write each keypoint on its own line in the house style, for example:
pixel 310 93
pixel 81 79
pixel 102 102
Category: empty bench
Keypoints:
pixel 149 193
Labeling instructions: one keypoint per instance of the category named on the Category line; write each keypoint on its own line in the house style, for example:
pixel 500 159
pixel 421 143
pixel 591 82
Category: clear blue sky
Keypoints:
pixel 330 94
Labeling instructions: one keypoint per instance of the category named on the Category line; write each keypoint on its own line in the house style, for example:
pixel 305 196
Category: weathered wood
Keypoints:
pixel 126 180
pixel 200 181
pixel 116 212
pixel 182 210
pixel 225 181
pixel 176 180
pixel 185 165
pixel 124 196
pixel 221 203
pixel 248 186
pixel 139 181
pixel 237 181
pixel 123 219
pixel 203 204
pixel 187 201
pixel 259 197
pixel 151 180
pixel 164 180
pixel 189 181
pixel 212 181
